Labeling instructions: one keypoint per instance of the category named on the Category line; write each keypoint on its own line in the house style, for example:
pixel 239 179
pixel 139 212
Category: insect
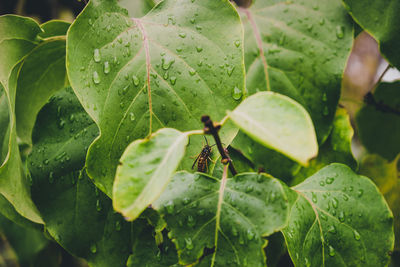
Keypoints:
pixel 203 157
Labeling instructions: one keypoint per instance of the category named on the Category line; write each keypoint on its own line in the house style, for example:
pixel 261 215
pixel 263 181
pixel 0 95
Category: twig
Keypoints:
pixel 211 128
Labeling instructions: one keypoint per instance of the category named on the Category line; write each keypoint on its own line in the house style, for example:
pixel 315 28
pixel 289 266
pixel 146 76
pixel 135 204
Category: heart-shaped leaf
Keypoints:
pixel 381 20
pixel 339 219
pixel 146 168
pixel 277 122
pixel 299 49
pixel 223 220
pixel 166 69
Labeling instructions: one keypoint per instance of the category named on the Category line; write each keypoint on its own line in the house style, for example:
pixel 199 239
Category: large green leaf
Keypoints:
pixel 339 219
pixel 146 168
pixel 225 219
pixel 337 148
pixel 378 122
pixel 77 215
pixel 301 47
pixel 385 174
pixel 381 20
pixel 42 73
pixel 166 69
pixel 277 122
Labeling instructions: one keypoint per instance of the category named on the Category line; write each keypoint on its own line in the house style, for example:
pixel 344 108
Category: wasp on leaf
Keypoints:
pixel 203 157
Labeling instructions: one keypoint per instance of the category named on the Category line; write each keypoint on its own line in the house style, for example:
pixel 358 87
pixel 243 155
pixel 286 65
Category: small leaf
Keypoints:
pixel 339 219
pixel 336 149
pixel 278 122
pixel 146 168
pixel 223 220
pixel 54 28
pixel 378 121
pixel 381 20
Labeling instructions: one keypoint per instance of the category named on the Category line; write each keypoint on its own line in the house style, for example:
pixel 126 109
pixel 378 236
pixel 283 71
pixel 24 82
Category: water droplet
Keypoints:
pixel 192 72
pixel 341 216
pixel 191 222
pixel 132 116
pixel 118 225
pixel 167 62
pixel 339 32
pixel 182 35
pixel 170 207
pixel 96 55
pixel 192 20
pixel 98 205
pixel 51 177
pixel 249 188
pixel 322 21
pixel 322 183
pixel 166 75
pixel 324 97
pixel 356 235
pixel 236 93
pixel 93 248
pixel 329 180
pixel 96 77
pixel 237 43
pixel 325 111
pixel 331 251
pixel 199 28
pixel 335 203
pixel 106 67
pixel 332 229
pixel 345 197
pixel 172 80
pixel 323 216
pixel 229 70
pixel 189 243
pixel 360 192
pixel 314 197
pixel 135 80
pixel 250 234
pixel 186 200
pixel 199 49
pixel 234 231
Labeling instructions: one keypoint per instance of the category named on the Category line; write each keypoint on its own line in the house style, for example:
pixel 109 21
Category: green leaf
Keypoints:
pixel 336 149
pixel 146 168
pixel 380 19
pixel 301 47
pixel 163 70
pixel 385 175
pixel 77 215
pixel 42 73
pixel 263 158
pixel 339 219
pixel 54 28
pixel 146 251
pixel 227 217
pixel 278 122
pixel 378 122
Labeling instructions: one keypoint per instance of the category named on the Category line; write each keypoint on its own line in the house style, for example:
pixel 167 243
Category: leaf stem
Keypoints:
pixel 194 132
pixel 211 128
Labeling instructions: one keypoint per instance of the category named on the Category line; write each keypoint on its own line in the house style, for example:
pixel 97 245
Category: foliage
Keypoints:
pixel 102 123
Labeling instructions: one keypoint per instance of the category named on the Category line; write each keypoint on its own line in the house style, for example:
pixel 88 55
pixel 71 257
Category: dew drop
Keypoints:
pixel 167 62
pixel 186 200
pixel 237 43
pixel 356 235
pixel 96 77
pixel 314 197
pixel 325 111
pixel 172 80
pixel 335 203
pixel 191 222
pixel 229 70
pixel 331 251
pixel 329 180
pixel 189 243
pixel 98 205
pixel 236 93
pixel 192 72
pixel 118 225
pixel 199 49
pixel 323 216
pixel 182 35
pixel 339 32
pixel 234 231
pixel 322 183
pixel 96 55
pixel 132 116
pixel 135 80
pixel 106 67
pixel 93 248
pixel 170 207
pixel 250 234
pixel 332 229
pixel 360 192
pixel 341 216
pixel 249 188
pixel 51 177
pixel 324 97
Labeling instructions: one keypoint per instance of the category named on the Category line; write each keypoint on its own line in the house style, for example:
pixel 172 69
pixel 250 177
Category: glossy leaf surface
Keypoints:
pixel 339 219
pixel 278 122
pixel 162 70
pixel 146 167
pixel 381 20
pixel 301 47
pixel 227 217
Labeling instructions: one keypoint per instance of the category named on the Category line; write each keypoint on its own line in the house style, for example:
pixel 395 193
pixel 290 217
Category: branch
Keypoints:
pixel 211 128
